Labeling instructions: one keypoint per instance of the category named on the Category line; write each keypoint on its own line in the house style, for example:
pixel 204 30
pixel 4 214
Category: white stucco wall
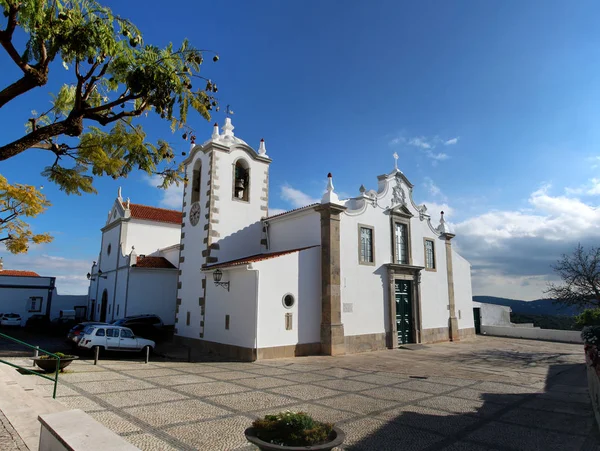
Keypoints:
pixel 298 274
pixel 294 231
pixel 149 237
pixel 65 302
pixel 240 230
pixel 171 253
pixel 493 315
pixel 239 303
pixel 534 333
pixel 365 287
pixel 463 295
pixel 152 291
pixel 15 294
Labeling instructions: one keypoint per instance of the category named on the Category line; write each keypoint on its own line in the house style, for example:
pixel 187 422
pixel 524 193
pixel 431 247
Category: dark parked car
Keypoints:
pixel 145 326
pixel 77 331
pixel 38 321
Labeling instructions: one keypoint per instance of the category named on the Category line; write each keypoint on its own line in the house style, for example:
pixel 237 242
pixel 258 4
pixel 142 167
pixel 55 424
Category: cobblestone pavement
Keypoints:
pixel 9 439
pixel 482 394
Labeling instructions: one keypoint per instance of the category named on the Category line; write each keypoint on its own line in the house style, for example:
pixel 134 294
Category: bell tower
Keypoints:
pixel 225 197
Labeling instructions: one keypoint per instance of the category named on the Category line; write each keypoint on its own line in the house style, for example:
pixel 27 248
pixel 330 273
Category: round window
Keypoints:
pixel 108 249
pixel 288 301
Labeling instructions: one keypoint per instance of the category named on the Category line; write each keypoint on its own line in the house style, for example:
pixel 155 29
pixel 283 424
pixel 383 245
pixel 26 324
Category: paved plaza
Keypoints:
pixel 482 394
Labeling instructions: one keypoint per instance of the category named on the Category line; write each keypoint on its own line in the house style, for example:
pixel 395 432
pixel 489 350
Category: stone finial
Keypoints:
pixel 127 202
pixel 133 256
pixel 362 189
pixel 119 194
pixel 262 149
pixel 395 161
pixel 215 133
pixel 443 227
pixel 228 129
pixel 330 197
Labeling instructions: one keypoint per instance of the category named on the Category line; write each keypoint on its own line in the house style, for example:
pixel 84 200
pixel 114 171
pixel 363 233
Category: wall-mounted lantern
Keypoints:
pixel 89 276
pixel 217 276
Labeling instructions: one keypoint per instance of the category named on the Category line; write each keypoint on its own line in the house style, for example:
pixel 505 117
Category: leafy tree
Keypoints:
pixel 589 317
pixel 91 128
pixel 17 201
pixel 580 273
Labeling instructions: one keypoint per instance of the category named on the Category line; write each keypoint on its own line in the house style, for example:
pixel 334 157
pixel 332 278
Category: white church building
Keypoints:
pixel 136 270
pixel 336 277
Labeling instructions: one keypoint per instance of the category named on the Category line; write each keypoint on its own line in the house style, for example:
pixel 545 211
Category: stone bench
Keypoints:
pixel 75 430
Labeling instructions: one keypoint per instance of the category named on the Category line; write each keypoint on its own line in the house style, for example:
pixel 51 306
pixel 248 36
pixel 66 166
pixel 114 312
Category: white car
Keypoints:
pixel 113 338
pixel 10 319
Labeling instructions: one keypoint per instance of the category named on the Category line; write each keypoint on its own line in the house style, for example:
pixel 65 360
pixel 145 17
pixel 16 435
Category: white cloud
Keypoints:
pixel 397 140
pixel 435 208
pixel 451 142
pixel 511 251
pixel 172 197
pixel 296 197
pixel 420 142
pixel 436 156
pixel 550 218
pixel 592 188
pixel 433 189
pixel 70 273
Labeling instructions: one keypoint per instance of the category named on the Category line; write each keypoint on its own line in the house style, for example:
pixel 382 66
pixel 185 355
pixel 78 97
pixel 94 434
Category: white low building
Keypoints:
pixel 27 293
pixel 136 271
pixel 340 276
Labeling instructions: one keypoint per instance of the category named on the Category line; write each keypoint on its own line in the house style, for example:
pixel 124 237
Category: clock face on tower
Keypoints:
pixel 195 213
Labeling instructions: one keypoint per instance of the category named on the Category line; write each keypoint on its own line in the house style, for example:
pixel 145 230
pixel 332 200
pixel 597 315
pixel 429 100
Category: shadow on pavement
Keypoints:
pixel 555 418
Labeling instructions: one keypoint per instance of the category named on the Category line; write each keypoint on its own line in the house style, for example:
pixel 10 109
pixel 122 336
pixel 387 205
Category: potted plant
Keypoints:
pixel 48 362
pixel 293 431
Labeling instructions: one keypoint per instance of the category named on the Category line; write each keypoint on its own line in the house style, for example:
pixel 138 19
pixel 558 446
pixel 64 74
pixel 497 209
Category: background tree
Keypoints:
pixel 91 126
pixel 580 274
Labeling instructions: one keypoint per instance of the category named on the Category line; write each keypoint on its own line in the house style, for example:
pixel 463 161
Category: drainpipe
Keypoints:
pixel 50 292
pixel 255 352
pixel 126 291
pixel 267 235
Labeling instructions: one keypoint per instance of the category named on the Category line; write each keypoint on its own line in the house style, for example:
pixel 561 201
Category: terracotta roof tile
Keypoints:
pixel 154 262
pixel 290 211
pixel 155 214
pixel 14 272
pixel 254 258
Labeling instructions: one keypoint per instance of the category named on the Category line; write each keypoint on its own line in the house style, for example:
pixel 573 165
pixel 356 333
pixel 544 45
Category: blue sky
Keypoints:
pixel 492 106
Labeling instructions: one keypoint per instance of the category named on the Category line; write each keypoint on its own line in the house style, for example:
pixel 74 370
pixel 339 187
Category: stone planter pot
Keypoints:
pixel 336 438
pixel 49 365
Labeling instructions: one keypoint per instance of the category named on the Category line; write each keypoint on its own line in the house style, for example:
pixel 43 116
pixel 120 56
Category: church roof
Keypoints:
pixel 254 258
pixel 14 272
pixel 155 214
pixel 291 211
pixel 154 262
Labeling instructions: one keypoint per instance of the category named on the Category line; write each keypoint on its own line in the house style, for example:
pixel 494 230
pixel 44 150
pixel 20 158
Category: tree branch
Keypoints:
pixel 6 39
pixel 72 126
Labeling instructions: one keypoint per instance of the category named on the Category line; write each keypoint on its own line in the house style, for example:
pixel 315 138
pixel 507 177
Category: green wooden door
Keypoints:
pixel 404 322
pixel 477 320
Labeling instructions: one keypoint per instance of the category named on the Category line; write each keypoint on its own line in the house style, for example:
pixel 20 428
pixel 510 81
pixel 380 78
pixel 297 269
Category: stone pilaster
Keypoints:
pixel 332 329
pixel 452 320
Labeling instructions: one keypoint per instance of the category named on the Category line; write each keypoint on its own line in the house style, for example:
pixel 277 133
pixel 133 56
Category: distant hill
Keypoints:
pixel 538 307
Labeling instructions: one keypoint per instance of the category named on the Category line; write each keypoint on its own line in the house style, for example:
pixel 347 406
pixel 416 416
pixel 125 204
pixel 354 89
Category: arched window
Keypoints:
pixel 241 180
pixel 196 181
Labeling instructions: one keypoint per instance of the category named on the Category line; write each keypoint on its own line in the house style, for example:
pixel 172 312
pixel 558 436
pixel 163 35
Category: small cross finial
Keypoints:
pixel 395 161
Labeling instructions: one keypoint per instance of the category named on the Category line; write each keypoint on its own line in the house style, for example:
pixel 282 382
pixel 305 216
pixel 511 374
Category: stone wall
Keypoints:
pixel 564 336
pixel 435 335
pixel 365 343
